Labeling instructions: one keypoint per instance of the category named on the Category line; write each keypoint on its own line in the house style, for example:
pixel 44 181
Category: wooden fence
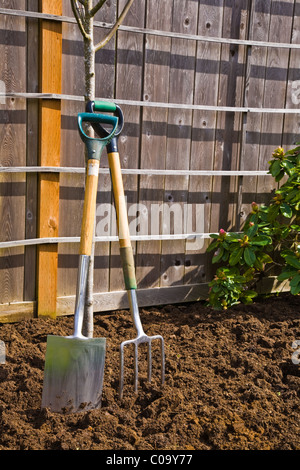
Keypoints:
pixel 209 89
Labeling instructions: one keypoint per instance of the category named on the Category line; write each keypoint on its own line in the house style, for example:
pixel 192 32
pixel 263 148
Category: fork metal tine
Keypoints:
pixel 141 339
pixel 136 367
pixel 149 361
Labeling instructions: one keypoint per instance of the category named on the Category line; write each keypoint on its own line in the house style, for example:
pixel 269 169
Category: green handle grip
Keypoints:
pixel 105 106
pixel 95 145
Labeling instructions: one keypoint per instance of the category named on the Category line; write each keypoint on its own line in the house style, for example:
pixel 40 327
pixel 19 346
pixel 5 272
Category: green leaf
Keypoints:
pixel 265 258
pixel 251 293
pixel 295 281
pixel 291 194
pixel 295 290
pixel 212 246
pixel 249 256
pixel 247 297
pixel 218 256
pixel 289 166
pixel 248 275
pixel 261 240
pixel 293 261
pixel 296 198
pixel 273 212
pixel 235 256
pixel 285 253
pixel 233 236
pixel 275 167
pixel 286 210
pixel 252 230
pixel 280 176
pixel 285 232
pixel 232 271
pixel 258 265
pixel 286 274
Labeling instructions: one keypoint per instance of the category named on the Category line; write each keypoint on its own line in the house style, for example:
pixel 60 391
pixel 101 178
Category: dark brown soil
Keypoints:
pixel 230 384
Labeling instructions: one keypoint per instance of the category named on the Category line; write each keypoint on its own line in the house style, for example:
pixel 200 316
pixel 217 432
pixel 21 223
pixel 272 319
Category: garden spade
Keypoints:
pixel 74 365
pixel 126 251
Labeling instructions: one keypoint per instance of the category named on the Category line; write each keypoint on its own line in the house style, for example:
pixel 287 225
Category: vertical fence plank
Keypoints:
pixel 204 135
pixel 154 140
pixel 129 79
pixel 274 91
pixel 32 69
pixel 291 129
pixel 72 154
pixel 253 97
pixel 13 152
pixel 228 136
pixel 50 143
pixel 182 70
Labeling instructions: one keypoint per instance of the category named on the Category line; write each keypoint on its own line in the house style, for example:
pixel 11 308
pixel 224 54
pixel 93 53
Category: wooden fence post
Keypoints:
pixel 49 155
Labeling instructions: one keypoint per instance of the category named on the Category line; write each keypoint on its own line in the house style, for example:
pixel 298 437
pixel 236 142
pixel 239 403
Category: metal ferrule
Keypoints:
pixel 134 308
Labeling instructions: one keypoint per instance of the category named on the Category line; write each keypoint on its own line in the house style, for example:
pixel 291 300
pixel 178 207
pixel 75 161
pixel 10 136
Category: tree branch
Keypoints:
pixel 97 7
pixel 80 10
pixel 115 27
pixel 78 18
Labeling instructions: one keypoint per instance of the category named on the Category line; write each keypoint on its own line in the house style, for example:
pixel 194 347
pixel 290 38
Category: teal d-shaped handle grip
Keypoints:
pixel 95 145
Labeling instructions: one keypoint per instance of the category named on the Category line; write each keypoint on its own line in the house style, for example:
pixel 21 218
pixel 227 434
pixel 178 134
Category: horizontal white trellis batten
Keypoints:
pixel 112 238
pixel 67 19
pixel 133 171
pixel 153 104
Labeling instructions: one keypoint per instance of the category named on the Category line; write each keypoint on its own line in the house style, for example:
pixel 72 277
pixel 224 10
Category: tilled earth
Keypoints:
pixel 232 382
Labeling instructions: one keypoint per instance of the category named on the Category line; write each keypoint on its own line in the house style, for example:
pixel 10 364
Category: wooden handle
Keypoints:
pixel 119 197
pixel 122 221
pixel 89 208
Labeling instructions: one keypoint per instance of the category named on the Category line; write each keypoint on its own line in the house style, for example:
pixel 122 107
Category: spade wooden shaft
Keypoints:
pixel 89 208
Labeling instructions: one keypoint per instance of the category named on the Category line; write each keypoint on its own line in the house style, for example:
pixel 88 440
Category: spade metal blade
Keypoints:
pixel 73 376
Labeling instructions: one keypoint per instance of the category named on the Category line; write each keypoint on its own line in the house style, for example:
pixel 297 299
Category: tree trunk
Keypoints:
pixel 89 60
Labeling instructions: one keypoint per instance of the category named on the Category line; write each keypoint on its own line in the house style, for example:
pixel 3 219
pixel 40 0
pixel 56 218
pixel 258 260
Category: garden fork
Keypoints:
pixel 125 248
pixel 141 338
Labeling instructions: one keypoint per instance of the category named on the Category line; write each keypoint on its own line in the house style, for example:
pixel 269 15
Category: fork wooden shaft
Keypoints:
pixel 122 221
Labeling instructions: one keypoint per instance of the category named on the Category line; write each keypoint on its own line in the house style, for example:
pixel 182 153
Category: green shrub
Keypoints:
pixel 269 239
